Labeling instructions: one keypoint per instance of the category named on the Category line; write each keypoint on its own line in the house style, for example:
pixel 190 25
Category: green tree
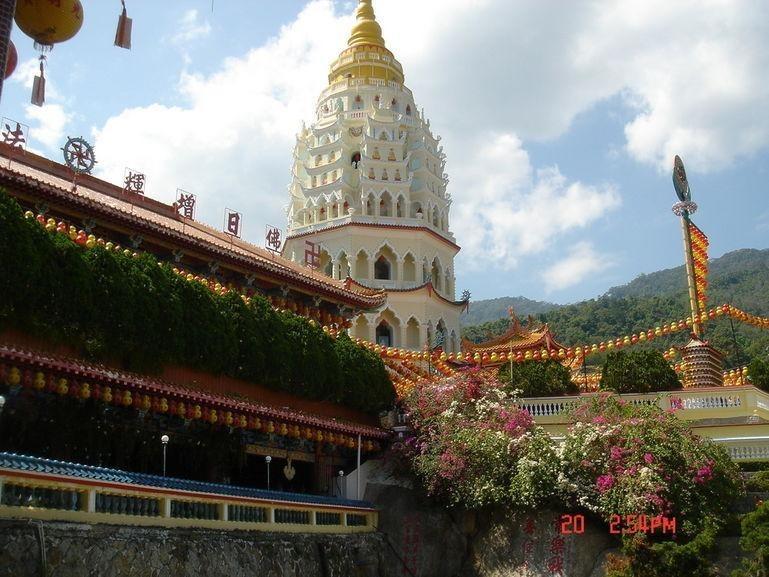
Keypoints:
pixel 755 541
pixel 759 373
pixel 539 378
pixel 638 372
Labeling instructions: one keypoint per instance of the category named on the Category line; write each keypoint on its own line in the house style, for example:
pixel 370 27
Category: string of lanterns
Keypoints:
pixel 163 404
pixel 699 246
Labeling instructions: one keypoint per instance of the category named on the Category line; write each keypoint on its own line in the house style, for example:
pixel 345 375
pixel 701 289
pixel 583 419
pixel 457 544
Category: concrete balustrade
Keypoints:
pixel 30 492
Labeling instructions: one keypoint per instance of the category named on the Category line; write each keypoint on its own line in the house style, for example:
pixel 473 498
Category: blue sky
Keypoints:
pixel 559 121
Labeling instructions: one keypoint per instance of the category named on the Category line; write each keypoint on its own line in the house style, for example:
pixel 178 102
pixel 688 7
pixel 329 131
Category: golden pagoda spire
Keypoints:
pixel 366 29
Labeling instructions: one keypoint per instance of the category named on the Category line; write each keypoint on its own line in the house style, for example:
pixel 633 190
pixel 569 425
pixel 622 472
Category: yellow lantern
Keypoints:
pixel 494 357
pixel 49 23
pixel 14 376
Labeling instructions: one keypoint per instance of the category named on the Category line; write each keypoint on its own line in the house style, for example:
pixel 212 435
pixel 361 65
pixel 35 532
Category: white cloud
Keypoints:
pixel 692 72
pixel 231 142
pixel 52 121
pixel 190 29
pixel 509 211
pixel 491 74
pixel 581 261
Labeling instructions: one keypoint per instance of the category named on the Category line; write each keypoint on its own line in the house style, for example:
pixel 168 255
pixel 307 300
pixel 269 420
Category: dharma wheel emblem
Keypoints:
pixel 79 155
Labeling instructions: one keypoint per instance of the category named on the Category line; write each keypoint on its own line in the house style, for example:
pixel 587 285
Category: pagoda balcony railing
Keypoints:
pixel 344 84
pixel 366 219
pixel 34 488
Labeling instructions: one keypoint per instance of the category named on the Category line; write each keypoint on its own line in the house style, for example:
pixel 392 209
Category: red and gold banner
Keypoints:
pixel 700 245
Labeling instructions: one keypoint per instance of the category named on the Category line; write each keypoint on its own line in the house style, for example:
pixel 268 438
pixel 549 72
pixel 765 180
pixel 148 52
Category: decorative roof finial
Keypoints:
pixel 366 29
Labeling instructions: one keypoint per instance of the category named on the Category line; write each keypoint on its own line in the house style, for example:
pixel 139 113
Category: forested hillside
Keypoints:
pixel 740 278
pixel 493 309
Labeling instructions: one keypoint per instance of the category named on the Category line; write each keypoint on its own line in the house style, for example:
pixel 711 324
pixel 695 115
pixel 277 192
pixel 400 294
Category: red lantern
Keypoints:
pixel 12 59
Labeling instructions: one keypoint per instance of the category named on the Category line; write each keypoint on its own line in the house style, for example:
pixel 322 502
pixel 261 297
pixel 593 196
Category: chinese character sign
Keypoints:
pixel 14 134
pixel 411 545
pixel 272 238
pixel 185 203
pixel 311 254
pixel 232 222
pixel 134 181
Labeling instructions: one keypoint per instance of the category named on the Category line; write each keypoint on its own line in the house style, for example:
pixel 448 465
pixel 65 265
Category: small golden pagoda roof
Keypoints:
pixel 366 30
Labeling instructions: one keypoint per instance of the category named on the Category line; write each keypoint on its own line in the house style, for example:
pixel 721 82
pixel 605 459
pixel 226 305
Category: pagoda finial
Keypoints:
pixel 366 29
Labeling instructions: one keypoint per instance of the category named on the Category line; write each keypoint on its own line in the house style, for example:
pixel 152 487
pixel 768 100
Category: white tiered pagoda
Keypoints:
pixel 369 189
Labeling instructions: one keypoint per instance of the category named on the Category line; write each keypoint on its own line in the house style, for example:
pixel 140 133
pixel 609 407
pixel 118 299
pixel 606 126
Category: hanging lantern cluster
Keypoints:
pixel 47 23
pixel 188 409
pixel 700 245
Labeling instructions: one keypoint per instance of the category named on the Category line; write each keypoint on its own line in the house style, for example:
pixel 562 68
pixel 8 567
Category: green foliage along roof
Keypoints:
pixel 143 315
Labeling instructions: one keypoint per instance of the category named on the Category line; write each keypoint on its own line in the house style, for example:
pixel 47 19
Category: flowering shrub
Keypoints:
pixel 473 446
pixel 621 459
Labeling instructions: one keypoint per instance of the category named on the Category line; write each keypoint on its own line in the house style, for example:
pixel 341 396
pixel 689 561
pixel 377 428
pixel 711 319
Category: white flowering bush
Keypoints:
pixel 474 446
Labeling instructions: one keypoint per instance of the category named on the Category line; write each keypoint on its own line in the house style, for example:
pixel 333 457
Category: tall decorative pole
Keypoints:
pixel 684 208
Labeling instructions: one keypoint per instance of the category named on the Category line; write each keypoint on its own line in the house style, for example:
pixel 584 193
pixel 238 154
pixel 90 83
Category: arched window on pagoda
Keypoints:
pixel 394 104
pixel 322 213
pixel 385 204
pixel 384 174
pixel 318 160
pixel 355 159
pixel 384 334
pixel 382 269
pixel 397 174
pixel 408 110
pixel 358 103
pixel 314 181
pixel 376 100
pixel 436 275
pixel 400 203
pixel 345 208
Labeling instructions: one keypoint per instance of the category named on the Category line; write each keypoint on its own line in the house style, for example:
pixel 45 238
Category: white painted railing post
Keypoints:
pixel 313 517
pixel 1 489
pixel 167 507
pixel 90 504
pixel 224 511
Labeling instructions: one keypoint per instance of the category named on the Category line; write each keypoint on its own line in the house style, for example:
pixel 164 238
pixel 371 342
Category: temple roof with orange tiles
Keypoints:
pixel 517 338
pixel 33 180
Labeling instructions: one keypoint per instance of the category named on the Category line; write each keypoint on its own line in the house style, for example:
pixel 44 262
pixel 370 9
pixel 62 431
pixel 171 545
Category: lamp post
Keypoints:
pixel 339 481
pixel 164 440
pixel 267 460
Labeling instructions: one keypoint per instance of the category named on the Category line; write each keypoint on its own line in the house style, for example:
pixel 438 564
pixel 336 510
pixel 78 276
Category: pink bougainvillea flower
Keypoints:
pixel 604 483
pixel 648 458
